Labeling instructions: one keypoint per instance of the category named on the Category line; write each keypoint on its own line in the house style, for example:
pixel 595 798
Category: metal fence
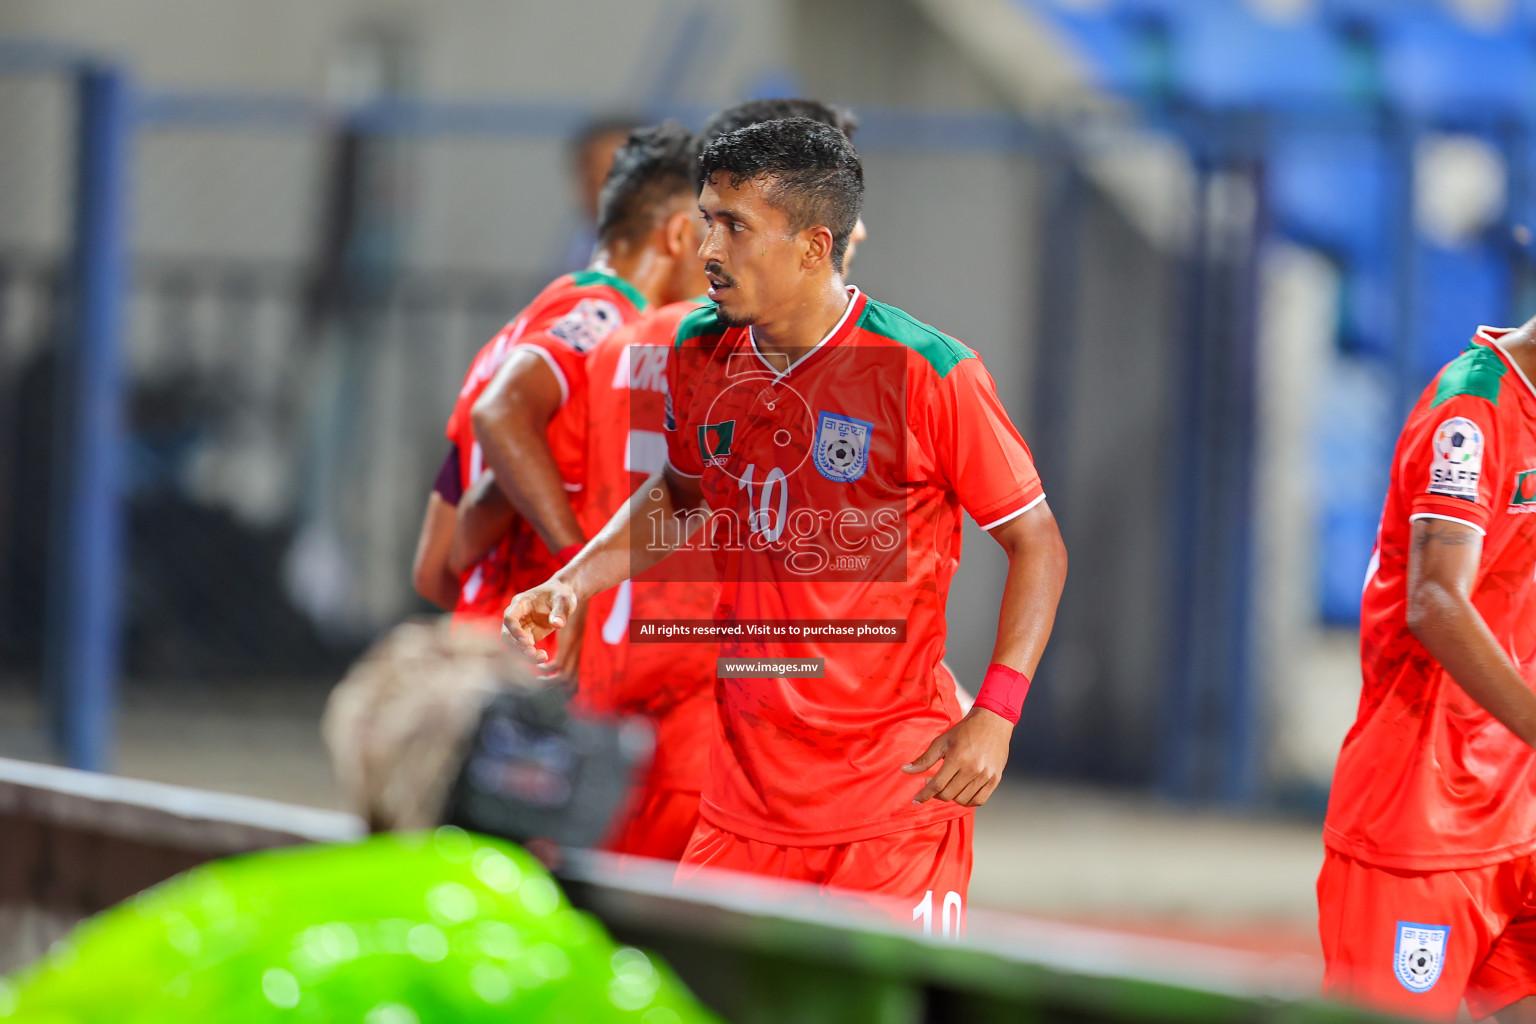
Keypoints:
pixel 783 952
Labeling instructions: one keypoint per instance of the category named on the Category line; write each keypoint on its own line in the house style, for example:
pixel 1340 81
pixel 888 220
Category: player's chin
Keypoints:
pixel 731 314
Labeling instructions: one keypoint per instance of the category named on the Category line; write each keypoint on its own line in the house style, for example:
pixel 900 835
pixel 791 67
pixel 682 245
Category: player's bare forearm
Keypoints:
pixel 484 517
pixel 974 750
pixel 430 571
pixel 624 547
pixel 1442 568
pixel 630 543
pixel 1037 572
pixel 511 421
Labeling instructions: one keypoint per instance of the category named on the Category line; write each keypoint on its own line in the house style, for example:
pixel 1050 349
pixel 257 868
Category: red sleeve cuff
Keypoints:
pixel 1027 500
pixel 1455 509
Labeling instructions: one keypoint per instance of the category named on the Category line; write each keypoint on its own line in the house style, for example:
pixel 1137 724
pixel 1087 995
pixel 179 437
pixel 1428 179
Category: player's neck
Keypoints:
pixel 641 266
pixel 799 327
pixel 1520 346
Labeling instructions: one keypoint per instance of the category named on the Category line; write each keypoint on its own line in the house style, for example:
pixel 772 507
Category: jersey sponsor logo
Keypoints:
pixel 589 323
pixel 1458 463
pixel 715 442
pixel 1420 954
pixel 1524 498
pixel 841 451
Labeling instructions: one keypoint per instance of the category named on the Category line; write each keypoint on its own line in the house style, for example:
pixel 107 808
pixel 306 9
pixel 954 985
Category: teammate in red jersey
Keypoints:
pixel 673 683
pixel 521 414
pixel 1428 893
pixel 834 441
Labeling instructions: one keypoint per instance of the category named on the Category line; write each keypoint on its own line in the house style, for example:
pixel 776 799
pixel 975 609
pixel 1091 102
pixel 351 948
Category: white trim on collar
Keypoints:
pixel 1482 332
pixel 853 298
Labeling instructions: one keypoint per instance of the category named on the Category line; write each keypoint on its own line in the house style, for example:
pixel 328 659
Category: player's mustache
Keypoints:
pixel 717 268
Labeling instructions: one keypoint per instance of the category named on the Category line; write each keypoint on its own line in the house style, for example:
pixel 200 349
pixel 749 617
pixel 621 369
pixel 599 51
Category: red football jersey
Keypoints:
pixel 1427 780
pixel 834 489
pixel 563 324
pixel 672 683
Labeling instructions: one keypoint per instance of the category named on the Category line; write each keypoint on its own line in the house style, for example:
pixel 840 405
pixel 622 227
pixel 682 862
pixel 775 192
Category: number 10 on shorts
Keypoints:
pixel 949 917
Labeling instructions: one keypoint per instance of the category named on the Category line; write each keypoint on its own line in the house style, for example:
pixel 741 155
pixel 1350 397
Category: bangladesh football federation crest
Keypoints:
pixel 841 451
pixel 1420 954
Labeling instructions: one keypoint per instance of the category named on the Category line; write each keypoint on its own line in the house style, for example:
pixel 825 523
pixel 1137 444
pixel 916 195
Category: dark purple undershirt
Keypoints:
pixel 448 482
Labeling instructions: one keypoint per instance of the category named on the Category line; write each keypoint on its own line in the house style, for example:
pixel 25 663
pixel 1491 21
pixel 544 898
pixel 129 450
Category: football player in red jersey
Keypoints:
pixel 519 425
pixel 834 441
pixel 1427 896
pixel 672 683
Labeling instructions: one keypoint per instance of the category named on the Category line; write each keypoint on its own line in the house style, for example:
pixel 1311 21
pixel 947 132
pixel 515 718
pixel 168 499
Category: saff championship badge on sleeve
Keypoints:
pixel 1458 463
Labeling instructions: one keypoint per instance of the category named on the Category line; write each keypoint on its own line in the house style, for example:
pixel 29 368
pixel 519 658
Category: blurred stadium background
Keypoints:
pixel 1209 249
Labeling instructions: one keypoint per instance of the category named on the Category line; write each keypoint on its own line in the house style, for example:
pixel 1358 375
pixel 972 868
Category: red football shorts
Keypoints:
pixel 1417 943
pixel 919 876
pixel 657 823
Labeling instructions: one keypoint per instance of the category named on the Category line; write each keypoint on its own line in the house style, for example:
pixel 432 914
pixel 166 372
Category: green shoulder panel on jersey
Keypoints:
pixel 698 324
pixel 942 352
pixel 1478 372
pixel 588 278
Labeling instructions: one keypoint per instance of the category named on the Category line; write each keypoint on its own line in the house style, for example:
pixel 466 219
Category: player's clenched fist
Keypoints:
pixel 536 613
pixel 974 751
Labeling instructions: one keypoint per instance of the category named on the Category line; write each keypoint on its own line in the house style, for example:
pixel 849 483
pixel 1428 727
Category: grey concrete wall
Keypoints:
pixel 1110 649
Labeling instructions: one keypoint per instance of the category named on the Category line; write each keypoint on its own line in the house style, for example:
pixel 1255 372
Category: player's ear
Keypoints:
pixel 678 235
pixel 818 245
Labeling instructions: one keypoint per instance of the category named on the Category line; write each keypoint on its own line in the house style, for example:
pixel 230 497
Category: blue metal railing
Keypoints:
pixel 85 545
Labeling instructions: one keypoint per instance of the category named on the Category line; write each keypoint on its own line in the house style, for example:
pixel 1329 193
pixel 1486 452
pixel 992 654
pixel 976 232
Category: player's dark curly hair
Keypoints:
pixel 811 171
pixel 656 164
pixel 757 111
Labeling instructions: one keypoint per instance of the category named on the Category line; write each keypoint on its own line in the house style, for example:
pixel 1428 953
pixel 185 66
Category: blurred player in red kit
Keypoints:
pixel 591 158
pixel 519 427
pixel 823 446
pixel 1428 892
pixel 671 683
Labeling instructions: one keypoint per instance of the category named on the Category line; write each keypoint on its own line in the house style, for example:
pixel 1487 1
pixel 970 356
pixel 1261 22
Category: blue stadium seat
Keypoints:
pixel 1432 63
pixel 1229 57
pixel 1378 11
pixel 1434 66
pixel 1329 189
